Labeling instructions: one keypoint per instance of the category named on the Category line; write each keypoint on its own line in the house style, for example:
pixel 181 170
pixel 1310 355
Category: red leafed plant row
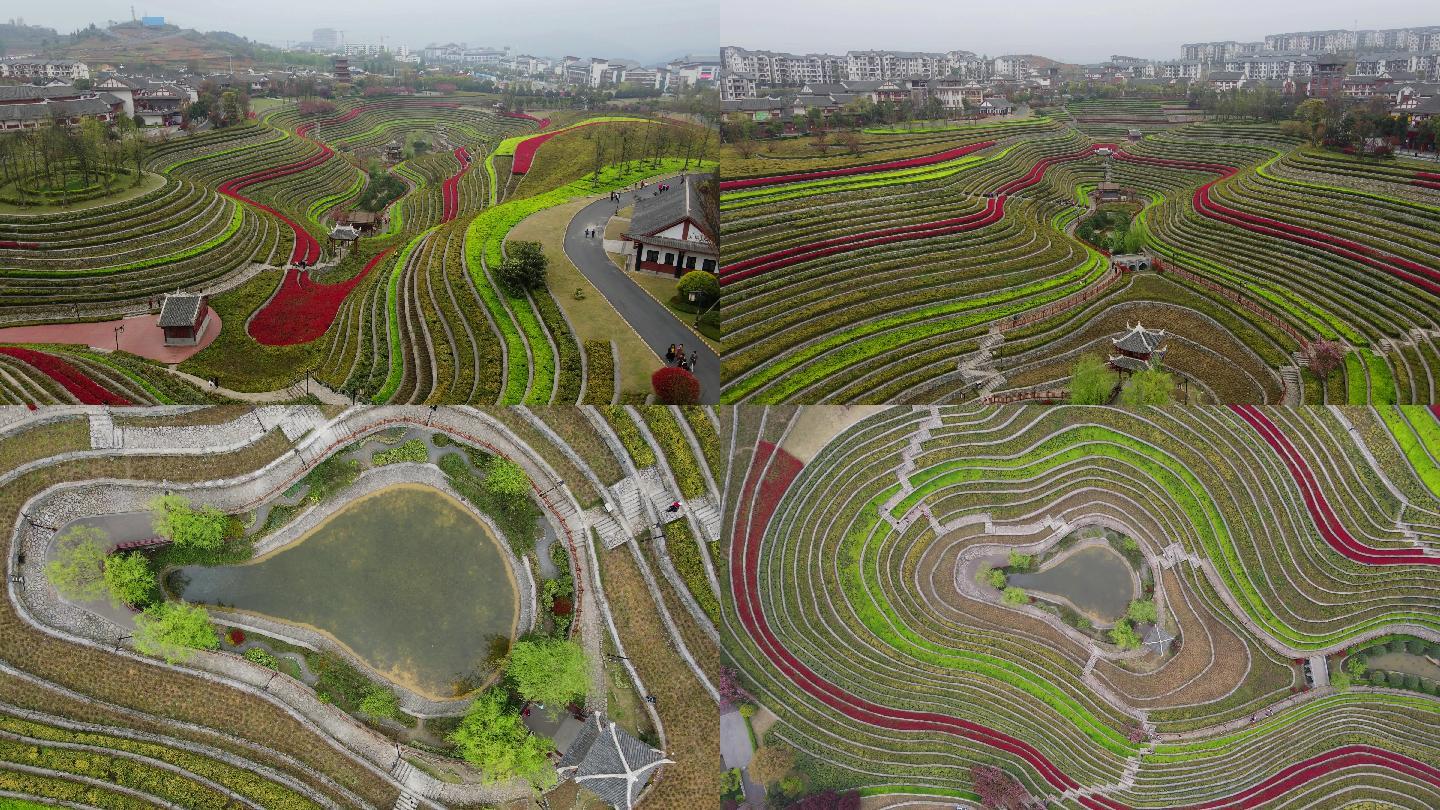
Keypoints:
pixel 907 163
pixel 994 210
pixel 540 123
pixel 1427 179
pixel 525 150
pixel 12 244
pixel 301 310
pixel 1415 273
pixel 72 379
pixel 1319 507
pixel 307 249
pixel 772 471
pixel 450 189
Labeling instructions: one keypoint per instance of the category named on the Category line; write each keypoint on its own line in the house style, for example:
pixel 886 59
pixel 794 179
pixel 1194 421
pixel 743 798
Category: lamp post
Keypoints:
pixel 118 330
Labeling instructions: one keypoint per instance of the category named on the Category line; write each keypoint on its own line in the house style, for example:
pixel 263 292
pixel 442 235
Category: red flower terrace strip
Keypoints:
pixel 541 123
pixel 72 379
pixel 11 244
pixel 1426 278
pixel 907 163
pixel 450 189
pixel 778 476
pixel 307 249
pixel 525 150
pixel 1320 510
pixel 302 310
pixel 994 210
pixel 1427 179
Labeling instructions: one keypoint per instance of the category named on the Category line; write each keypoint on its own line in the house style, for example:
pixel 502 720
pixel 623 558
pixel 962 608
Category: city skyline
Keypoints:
pixel 1072 34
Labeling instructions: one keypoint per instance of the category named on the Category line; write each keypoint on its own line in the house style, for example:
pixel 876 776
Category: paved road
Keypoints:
pixel 657 326
pixel 735 751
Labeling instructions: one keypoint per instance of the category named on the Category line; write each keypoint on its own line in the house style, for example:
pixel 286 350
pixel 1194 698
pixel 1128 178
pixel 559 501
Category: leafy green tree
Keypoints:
pixel 551 671
pixel 173 630
pixel 187 527
pixel 1149 387
pixel 1123 635
pixel 77 566
pixel 493 738
pixel 704 284
pixel 1340 680
pixel 380 703
pixel 1020 562
pixel 1141 610
pixel 1015 596
pixel 506 479
pixel 1091 381
pixel 524 267
pixel 771 763
pixel 129 579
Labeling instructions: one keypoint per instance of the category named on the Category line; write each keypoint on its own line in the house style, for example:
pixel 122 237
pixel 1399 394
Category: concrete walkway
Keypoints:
pixel 655 324
pixel 139 336
pixel 300 389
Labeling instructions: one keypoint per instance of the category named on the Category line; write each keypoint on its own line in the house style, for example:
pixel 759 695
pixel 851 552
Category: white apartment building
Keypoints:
pixel 735 85
pixel 33 68
pixel 771 68
pixel 363 50
pixel 863 66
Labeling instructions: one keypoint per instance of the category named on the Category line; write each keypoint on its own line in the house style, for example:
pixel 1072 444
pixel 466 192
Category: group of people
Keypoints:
pixel 676 356
pixel 591 231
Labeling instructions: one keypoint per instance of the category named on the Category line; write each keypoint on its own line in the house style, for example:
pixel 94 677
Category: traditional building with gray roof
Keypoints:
pixel 606 760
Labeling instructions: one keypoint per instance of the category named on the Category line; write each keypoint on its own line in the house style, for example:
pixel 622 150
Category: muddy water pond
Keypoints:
pixel 406 578
pixel 1095 579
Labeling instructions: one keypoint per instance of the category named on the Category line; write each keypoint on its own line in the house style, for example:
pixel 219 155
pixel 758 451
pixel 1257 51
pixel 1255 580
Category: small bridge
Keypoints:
pixel 138 545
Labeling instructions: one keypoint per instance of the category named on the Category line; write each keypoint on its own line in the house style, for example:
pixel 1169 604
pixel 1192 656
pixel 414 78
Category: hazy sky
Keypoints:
pixel 1068 30
pixel 647 30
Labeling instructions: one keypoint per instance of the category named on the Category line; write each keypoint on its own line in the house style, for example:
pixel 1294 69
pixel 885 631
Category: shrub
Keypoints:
pixel 235 636
pixel 771 763
pixel 1141 610
pixel 1123 635
pixel 1377 677
pixel 1020 562
pixel 1339 679
pixel 524 267
pixel 998 789
pixel 507 480
pixel 173 630
pixel 1397 645
pixel 413 451
pixel 705 285
pixel 675 386
pixel 1016 596
pixel 1412 681
pixel 747 710
pixel 1325 356
pixel 1395 680
pixel 1416 646
pixel 996 578
pixel 380 704
pixel 263 657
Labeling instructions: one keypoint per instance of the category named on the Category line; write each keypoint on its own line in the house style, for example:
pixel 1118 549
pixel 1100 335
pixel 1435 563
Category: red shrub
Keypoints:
pixel 999 790
pixel 236 637
pixel 829 800
pixel 675 386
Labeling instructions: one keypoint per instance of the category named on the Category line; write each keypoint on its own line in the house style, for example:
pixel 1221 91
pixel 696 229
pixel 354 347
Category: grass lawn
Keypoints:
pixel 592 318
pixel 148 182
pixel 235 358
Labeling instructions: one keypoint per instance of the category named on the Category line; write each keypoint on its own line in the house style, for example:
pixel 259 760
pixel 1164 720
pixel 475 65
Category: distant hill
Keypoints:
pixel 17 39
pixel 132 42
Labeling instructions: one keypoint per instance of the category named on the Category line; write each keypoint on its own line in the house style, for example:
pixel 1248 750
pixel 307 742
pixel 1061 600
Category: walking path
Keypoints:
pixel 299 389
pixel 139 336
pixel 655 324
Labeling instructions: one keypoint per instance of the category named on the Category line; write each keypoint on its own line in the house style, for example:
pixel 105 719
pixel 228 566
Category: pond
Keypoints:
pixel 1405 663
pixel 406 578
pixel 1096 580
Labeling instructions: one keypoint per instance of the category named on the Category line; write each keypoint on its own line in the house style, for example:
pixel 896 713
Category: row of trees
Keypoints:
pixel 57 157
pixel 1092 382
pixel 629 146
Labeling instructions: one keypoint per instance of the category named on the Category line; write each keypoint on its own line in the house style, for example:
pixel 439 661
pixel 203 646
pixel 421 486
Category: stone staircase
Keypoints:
pixel 1294 387
pixel 103 435
pixel 707 514
pixel 625 495
pixel 409 798
pixel 612 534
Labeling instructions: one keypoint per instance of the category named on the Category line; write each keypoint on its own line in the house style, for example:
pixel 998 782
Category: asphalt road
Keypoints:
pixel 656 325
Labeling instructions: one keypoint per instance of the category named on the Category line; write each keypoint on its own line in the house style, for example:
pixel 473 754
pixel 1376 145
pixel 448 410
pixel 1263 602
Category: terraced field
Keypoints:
pixel 942 265
pixel 861 611
pixel 409 314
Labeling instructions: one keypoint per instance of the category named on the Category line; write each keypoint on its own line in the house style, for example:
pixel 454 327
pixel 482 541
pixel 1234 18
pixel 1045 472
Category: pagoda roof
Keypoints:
pixel 1139 340
pixel 610 762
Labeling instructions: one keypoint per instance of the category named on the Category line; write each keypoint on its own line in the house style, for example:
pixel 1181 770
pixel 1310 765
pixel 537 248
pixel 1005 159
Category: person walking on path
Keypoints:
pixel 694 360
pixel 674 507
pixel 670 355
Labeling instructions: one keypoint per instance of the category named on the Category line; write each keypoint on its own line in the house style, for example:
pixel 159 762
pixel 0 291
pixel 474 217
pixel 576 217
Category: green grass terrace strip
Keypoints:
pixel 506 148
pixel 859 342
pixel 1012 124
pixel 237 215
pixel 1188 492
pixel 392 319
pixel 743 198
